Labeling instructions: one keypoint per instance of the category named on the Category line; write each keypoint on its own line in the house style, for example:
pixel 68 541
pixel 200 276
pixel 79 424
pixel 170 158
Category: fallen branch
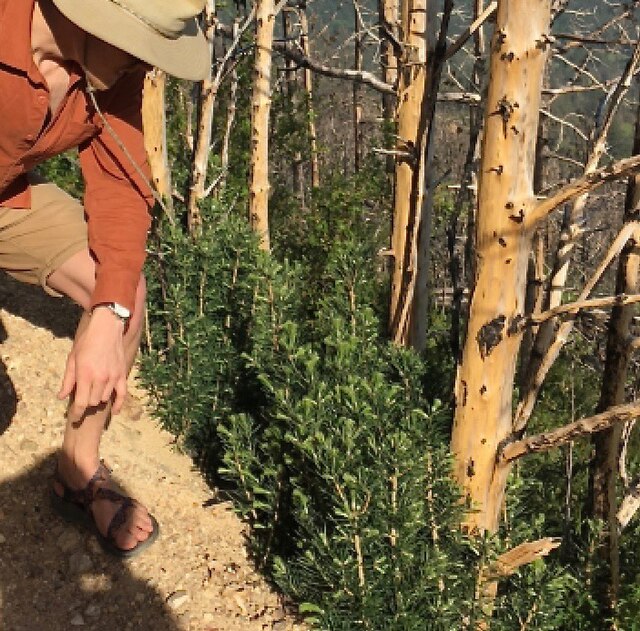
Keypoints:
pixel 508 562
pixel 548 440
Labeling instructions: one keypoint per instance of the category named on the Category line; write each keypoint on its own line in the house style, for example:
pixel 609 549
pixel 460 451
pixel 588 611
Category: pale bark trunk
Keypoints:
pixel 231 116
pixel 409 175
pixel 155 135
pixel 535 273
pixel 206 103
pixel 436 48
pixel 484 383
pixel 260 108
pixel 291 76
pixel 308 89
pixel 388 15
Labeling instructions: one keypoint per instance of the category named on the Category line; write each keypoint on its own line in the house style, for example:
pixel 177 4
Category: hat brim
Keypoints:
pixel 186 57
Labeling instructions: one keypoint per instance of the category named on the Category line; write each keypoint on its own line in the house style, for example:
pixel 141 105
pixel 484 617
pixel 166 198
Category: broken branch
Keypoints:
pixel 548 440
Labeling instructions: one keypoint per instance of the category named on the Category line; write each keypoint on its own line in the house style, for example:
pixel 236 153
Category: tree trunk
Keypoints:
pixel 604 467
pixel 436 47
pixel 534 295
pixel 550 338
pixel 155 135
pixel 388 19
pixel 308 89
pixel 292 92
pixel 484 383
pixel 206 103
pixel 231 116
pixel 461 264
pixel 260 108
pixel 409 175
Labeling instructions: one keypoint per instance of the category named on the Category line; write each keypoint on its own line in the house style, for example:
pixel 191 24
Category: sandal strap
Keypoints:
pixel 85 497
pixel 120 518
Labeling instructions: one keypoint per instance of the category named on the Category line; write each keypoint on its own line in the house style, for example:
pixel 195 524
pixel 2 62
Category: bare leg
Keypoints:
pixel 79 457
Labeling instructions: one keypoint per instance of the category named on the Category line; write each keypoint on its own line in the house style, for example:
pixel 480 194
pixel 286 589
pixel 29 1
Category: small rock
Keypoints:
pixel 28 445
pixel 68 540
pixel 77 620
pixel 79 563
pixel 92 611
pixel 207 617
pixel 139 597
pixel 3 539
pixel 279 625
pixel 177 599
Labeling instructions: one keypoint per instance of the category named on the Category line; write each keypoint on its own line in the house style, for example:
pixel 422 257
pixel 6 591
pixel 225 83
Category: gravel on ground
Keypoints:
pixel 53 575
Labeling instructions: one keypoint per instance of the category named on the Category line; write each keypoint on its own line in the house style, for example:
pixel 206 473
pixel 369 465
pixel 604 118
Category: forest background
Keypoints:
pixel 392 280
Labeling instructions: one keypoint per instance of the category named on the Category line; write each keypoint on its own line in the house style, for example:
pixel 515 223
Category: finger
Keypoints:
pixel 107 391
pixel 121 393
pixel 81 399
pixel 69 378
pixel 95 395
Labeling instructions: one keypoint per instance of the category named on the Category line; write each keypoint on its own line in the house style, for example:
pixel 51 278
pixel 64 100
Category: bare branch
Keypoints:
pixel 470 30
pixel 508 562
pixel 471 98
pixel 362 76
pixel 578 88
pixel 564 123
pixel 548 440
pixel 584 39
pixel 619 300
pixel 584 184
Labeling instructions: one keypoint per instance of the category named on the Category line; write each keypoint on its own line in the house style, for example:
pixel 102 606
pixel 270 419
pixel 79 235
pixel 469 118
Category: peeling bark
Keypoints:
pixel 502 244
pixel 155 136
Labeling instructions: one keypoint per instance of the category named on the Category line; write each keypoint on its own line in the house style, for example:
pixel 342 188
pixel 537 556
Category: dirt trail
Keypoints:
pixel 54 576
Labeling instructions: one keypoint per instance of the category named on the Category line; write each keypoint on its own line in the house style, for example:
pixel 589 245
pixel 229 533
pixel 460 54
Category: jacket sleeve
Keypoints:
pixel 117 198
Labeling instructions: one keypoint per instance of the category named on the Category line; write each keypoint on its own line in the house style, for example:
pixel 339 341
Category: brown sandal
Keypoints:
pixel 75 506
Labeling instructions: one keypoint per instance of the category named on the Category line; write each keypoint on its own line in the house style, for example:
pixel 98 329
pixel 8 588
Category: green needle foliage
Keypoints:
pixel 278 380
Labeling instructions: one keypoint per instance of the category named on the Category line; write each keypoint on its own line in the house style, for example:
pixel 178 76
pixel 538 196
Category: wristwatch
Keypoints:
pixel 117 309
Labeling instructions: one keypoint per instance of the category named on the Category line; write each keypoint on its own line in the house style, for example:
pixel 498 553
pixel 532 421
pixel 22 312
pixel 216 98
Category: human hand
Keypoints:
pixel 96 368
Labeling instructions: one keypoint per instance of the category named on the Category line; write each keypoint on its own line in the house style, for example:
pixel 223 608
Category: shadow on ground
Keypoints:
pixel 52 576
pixel 8 396
pixel 58 315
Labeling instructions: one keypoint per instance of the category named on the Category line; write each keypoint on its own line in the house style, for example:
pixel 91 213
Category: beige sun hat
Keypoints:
pixel 163 33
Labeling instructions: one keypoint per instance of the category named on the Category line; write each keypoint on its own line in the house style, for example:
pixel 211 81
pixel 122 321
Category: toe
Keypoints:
pixel 126 540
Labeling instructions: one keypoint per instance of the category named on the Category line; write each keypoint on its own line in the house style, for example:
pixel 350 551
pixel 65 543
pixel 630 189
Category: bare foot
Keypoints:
pixel 127 526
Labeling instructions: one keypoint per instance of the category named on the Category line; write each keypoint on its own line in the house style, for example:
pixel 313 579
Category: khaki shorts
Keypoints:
pixel 35 242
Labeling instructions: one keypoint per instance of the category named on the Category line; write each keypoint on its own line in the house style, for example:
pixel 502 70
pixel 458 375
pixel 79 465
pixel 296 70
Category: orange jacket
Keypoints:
pixel 116 198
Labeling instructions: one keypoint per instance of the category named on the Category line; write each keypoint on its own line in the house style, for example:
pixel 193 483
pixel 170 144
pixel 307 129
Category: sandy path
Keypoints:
pixel 54 576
